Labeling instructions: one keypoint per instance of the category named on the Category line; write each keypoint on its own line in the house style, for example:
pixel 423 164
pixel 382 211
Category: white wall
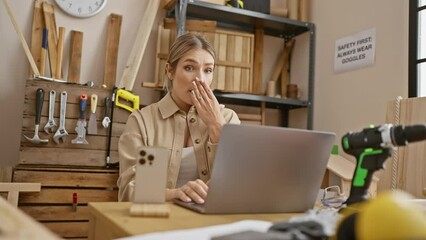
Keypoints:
pixel 353 100
pixel 343 102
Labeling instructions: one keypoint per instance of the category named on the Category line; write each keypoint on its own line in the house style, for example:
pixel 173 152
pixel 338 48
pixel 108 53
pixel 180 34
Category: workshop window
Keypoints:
pixel 417 49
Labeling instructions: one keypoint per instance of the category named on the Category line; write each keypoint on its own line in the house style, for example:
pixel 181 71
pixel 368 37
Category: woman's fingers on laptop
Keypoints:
pixel 195 190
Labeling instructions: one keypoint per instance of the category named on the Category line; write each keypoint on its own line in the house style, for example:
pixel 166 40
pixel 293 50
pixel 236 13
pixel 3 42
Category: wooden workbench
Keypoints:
pixel 110 220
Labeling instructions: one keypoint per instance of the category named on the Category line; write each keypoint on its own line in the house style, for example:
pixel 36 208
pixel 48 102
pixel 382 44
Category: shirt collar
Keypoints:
pixel 168 107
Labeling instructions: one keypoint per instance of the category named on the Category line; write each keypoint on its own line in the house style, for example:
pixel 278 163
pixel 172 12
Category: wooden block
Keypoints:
pixel 76 48
pixel 258 61
pixel 111 56
pixel 150 210
pixel 37 33
pixel 49 18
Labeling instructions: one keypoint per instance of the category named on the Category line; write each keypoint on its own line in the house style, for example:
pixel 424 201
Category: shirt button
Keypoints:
pixel 204 172
pixel 197 141
pixel 209 149
pixel 169 184
pixel 192 120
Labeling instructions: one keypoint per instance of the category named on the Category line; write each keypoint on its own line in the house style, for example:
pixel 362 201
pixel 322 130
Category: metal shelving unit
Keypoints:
pixel 246 20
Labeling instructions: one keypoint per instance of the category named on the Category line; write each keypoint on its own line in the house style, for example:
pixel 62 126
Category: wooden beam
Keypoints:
pixel 111 56
pixel 133 62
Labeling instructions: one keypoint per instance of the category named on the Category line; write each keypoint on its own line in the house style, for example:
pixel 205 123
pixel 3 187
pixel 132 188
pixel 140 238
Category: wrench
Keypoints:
pixel 50 125
pixel 61 133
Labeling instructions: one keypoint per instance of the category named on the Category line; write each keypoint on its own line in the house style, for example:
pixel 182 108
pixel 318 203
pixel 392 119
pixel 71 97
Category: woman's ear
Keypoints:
pixel 169 71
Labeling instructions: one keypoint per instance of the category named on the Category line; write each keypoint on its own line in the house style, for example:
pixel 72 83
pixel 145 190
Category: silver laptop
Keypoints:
pixel 260 169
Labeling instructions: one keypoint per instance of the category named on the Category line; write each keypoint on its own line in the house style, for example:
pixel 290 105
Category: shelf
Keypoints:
pixel 256 100
pixel 246 20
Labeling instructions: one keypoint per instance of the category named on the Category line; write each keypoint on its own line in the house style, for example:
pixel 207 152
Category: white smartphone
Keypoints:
pixel 151 174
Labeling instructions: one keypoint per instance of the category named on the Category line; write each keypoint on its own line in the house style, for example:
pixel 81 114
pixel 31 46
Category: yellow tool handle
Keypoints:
pixel 93 102
pixel 128 96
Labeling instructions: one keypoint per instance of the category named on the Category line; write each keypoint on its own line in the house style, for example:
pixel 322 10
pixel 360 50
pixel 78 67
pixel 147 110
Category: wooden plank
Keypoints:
pixel 162 42
pixel 77 169
pixel 258 61
pixel 192 25
pixel 37 33
pixel 20 187
pixel 168 4
pixel 285 71
pixel 21 38
pixel 76 48
pixel 245 84
pixel 56 213
pixel 68 157
pixel 66 179
pixel 133 63
pixel 111 56
pixel 61 37
pixel 248 116
pixel 17 225
pixel 238 57
pixel 49 19
pixel 69 229
pixel 222 57
pixel 64 196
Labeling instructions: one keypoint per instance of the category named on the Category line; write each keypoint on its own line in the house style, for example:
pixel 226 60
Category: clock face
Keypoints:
pixel 81 8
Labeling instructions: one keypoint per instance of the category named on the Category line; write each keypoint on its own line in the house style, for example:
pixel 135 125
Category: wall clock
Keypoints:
pixel 81 8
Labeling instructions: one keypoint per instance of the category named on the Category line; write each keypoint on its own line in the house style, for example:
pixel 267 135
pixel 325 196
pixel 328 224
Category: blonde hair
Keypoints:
pixel 180 47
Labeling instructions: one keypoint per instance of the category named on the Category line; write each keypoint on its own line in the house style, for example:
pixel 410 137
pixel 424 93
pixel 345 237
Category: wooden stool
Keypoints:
pixel 14 188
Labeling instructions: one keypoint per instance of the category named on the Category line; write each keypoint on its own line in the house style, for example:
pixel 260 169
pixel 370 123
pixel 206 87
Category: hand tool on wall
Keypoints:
pixel 22 39
pixel 108 151
pixel 61 133
pixel 43 52
pixel 107 120
pixel 81 123
pixel 76 47
pixel 93 128
pixel 50 125
pixel 129 97
pixel 111 56
pixel 133 62
pixel 39 106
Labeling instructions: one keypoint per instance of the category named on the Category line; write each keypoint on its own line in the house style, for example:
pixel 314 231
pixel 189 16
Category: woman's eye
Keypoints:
pixel 189 68
pixel 209 70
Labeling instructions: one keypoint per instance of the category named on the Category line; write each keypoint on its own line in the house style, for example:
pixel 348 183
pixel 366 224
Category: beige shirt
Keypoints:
pixel 163 124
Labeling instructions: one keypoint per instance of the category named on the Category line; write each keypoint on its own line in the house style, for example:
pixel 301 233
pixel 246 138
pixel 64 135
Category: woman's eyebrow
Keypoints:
pixel 194 61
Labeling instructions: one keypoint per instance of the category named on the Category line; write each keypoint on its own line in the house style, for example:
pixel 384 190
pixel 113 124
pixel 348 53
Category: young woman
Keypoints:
pixel 187 121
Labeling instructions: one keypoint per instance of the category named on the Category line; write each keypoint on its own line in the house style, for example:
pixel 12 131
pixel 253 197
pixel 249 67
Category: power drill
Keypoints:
pixel 371 147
